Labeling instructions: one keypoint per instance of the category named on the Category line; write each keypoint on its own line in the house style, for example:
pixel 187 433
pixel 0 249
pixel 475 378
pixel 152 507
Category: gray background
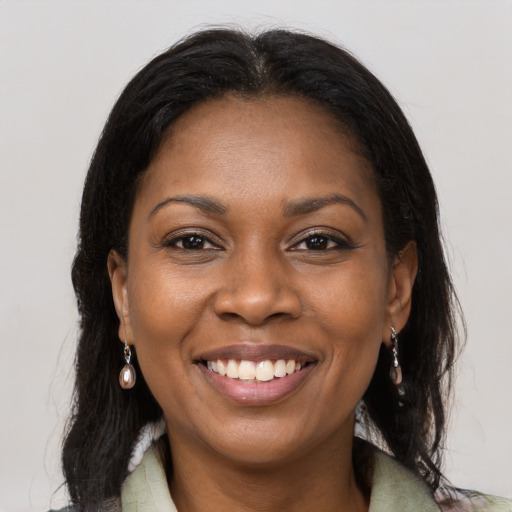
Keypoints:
pixel 62 65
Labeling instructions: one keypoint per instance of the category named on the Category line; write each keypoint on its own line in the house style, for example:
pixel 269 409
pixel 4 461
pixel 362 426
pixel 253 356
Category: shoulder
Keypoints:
pixel 478 503
pixel 498 504
pixel 394 487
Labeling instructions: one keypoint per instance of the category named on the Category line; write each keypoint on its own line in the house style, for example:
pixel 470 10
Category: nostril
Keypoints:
pixel 254 319
pixel 231 316
pixel 257 301
pixel 278 315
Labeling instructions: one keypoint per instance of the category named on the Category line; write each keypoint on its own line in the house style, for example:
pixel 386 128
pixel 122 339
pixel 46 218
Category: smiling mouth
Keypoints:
pixel 249 371
pixel 255 374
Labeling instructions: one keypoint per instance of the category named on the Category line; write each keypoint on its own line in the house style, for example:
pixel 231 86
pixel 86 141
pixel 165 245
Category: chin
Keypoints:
pixel 266 445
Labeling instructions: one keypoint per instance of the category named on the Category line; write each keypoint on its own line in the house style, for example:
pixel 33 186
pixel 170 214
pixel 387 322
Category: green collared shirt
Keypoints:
pixel 393 489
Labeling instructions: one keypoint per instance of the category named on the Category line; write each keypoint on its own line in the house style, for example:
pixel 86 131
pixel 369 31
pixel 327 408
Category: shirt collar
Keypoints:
pixel 393 487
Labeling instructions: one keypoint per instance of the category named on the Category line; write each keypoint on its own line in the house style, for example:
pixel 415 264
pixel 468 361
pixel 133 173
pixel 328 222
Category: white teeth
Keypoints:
pixel 265 371
pixel 232 369
pixel 262 371
pixel 221 367
pixel 280 368
pixel 247 370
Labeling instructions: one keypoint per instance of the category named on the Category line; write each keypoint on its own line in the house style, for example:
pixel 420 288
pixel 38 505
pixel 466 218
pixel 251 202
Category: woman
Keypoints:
pixel 259 270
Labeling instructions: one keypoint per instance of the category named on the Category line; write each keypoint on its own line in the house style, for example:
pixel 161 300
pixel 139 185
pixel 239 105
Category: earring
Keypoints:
pixel 395 372
pixel 127 376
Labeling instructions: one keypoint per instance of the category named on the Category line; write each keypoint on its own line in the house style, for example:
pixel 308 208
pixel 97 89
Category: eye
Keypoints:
pixel 191 242
pixel 321 242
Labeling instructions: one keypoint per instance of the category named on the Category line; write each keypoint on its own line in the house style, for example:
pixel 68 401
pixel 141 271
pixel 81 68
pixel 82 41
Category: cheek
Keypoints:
pixel 352 314
pixel 353 300
pixel 163 304
pixel 164 310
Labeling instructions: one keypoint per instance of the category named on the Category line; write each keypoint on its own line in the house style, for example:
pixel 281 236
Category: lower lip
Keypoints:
pixel 257 393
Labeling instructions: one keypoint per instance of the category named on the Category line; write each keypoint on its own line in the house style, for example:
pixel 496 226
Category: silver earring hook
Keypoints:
pixel 127 353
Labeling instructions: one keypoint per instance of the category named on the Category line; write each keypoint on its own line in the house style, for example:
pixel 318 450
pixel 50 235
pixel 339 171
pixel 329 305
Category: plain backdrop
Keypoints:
pixel 62 65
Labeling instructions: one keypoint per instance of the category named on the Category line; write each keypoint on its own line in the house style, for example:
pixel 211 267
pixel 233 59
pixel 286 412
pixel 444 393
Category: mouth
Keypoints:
pixel 255 371
pixel 252 374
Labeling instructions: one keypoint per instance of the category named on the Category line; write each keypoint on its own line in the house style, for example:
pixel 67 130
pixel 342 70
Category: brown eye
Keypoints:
pixel 317 242
pixel 322 241
pixel 191 242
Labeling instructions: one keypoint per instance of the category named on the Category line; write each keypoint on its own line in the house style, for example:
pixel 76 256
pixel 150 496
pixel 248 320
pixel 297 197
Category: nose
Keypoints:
pixel 256 290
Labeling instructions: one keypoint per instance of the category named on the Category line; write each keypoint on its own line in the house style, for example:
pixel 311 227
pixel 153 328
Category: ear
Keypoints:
pixel 401 280
pixel 117 270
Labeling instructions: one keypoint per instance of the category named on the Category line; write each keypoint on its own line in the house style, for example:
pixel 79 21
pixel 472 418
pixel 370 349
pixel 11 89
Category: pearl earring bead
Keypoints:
pixel 127 377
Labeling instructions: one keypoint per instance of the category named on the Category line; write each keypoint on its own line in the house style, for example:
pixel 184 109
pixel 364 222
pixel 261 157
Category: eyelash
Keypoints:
pixel 327 238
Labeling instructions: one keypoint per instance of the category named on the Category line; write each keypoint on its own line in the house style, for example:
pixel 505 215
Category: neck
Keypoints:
pixel 320 479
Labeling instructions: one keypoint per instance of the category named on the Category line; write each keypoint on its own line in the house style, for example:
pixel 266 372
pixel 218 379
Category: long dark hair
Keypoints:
pixel 105 419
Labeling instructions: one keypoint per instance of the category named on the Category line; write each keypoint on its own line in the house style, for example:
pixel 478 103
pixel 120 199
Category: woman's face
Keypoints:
pixel 256 248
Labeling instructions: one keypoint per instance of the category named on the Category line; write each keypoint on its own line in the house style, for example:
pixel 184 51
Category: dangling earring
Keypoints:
pixel 127 376
pixel 395 372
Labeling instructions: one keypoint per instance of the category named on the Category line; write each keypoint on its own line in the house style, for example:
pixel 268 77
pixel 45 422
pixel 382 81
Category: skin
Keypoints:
pixel 257 277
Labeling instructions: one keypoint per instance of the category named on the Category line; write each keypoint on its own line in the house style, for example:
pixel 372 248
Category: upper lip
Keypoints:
pixel 256 352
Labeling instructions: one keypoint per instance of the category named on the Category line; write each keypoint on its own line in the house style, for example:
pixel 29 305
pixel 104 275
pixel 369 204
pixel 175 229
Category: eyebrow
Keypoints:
pixel 313 204
pixel 203 203
pixel 292 209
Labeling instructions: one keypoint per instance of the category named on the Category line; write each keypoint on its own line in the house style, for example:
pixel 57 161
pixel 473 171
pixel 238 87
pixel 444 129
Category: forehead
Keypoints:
pixel 257 149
